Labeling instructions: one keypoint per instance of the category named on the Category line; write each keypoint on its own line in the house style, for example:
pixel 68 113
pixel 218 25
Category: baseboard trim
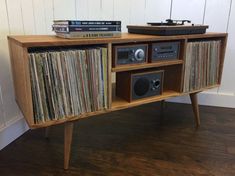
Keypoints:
pixel 12 131
pixel 210 99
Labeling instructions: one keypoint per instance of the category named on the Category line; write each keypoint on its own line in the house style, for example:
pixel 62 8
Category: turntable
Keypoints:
pixel 170 27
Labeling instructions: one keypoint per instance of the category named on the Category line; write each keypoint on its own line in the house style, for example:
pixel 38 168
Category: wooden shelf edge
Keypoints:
pixel 52 40
pixel 200 90
pixel 119 103
pixel 147 65
pixel 67 119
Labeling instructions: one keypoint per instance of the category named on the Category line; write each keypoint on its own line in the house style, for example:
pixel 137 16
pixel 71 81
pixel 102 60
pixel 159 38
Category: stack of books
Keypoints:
pixel 202 65
pixel 68 82
pixel 86 29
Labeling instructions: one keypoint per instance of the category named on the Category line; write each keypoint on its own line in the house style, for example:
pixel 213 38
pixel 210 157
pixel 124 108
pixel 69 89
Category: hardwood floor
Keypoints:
pixel 132 142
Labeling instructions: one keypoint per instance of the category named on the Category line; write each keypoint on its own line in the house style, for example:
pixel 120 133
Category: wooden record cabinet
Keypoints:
pixel 173 83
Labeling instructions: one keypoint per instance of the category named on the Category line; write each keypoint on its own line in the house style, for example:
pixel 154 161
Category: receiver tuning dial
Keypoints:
pixel 139 54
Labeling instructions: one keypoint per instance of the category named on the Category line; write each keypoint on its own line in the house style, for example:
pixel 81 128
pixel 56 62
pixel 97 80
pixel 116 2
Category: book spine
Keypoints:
pixel 79 28
pixel 89 34
pixel 75 22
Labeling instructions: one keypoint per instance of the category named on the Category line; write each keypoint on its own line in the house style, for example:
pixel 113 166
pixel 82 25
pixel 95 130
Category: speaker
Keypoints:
pixel 137 85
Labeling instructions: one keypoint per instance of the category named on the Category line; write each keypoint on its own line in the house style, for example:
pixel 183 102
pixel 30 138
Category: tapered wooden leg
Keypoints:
pixel 68 134
pixel 47 132
pixel 194 101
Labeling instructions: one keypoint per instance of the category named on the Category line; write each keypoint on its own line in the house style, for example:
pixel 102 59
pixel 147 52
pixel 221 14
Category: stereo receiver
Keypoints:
pixel 165 51
pixel 129 54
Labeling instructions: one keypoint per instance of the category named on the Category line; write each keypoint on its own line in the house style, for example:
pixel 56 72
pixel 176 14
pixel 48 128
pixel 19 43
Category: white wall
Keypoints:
pixel 2 115
pixel 36 16
pixel 220 16
pixel 228 83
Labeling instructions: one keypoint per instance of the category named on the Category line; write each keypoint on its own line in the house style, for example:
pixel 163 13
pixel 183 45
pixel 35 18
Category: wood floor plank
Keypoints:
pixel 132 142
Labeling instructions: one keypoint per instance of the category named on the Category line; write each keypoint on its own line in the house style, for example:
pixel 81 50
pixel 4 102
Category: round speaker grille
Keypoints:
pixel 141 86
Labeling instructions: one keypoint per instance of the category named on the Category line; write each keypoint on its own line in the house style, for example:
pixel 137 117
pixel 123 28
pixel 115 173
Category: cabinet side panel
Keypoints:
pixel 183 57
pixel 109 75
pixel 123 85
pixel 20 72
pixel 29 107
pixel 172 77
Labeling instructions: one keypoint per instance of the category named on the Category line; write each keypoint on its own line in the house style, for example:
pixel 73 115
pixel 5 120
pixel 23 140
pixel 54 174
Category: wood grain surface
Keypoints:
pixel 52 40
pixel 174 70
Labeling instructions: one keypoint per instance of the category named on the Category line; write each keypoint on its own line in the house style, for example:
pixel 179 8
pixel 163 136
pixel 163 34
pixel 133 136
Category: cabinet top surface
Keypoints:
pixel 52 40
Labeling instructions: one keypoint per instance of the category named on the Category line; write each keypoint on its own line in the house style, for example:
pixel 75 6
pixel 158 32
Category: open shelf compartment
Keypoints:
pixel 172 86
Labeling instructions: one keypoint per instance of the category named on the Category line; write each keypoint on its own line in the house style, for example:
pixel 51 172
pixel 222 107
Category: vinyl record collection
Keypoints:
pixel 68 82
pixel 201 65
pixel 86 29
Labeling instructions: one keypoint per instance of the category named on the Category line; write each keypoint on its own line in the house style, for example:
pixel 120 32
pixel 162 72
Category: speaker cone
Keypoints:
pixel 141 86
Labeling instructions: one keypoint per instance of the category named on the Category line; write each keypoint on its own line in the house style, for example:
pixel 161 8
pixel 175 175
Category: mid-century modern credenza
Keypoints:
pixel 198 67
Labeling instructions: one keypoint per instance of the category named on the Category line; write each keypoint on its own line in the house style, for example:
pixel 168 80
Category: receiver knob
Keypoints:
pixel 156 83
pixel 139 54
